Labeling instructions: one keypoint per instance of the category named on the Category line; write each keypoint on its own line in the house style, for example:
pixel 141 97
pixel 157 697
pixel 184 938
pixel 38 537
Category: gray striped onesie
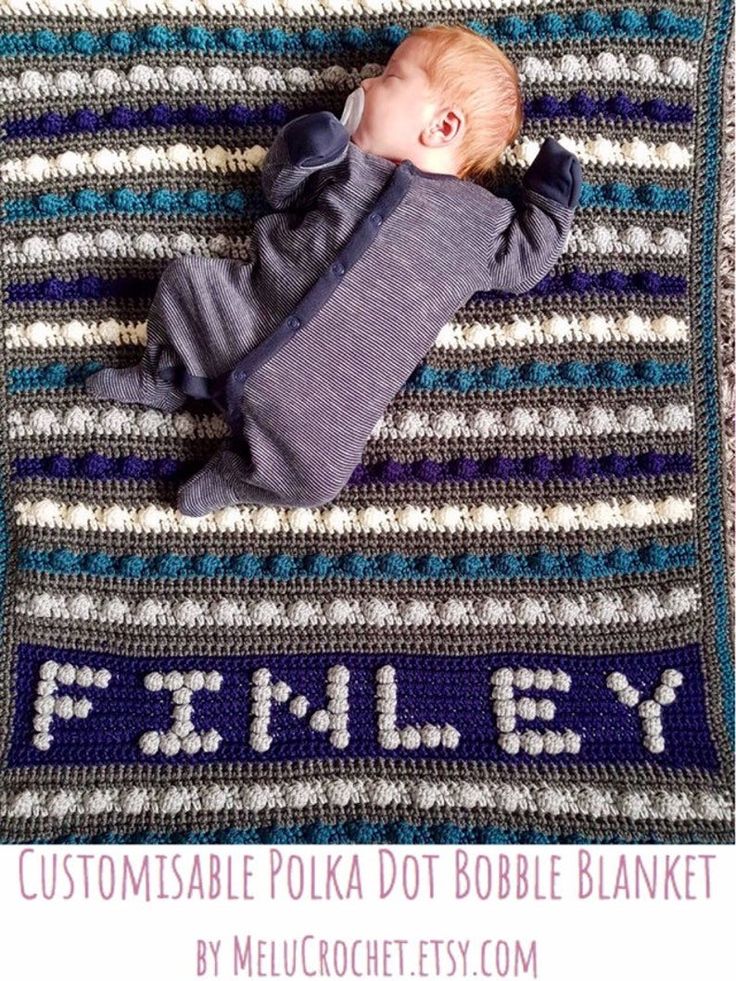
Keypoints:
pixel 352 278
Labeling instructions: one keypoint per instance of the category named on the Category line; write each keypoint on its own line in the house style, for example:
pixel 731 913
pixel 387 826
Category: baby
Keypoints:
pixel 378 238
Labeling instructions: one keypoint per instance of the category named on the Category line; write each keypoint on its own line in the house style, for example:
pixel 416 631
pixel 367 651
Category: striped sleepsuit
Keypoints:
pixel 353 276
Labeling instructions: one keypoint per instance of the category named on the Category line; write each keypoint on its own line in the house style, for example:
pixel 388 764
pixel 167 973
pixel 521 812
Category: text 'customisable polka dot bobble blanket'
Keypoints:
pixel 513 624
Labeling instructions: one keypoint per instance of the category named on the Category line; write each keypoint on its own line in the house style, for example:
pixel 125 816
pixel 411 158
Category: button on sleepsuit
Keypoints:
pixel 353 276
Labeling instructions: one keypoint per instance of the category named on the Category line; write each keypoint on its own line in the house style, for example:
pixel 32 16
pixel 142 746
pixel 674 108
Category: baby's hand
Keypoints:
pixel 314 139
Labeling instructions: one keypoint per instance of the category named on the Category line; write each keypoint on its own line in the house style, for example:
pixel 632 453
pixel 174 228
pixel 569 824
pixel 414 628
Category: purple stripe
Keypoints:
pixel 581 105
pixel 576 282
pixel 541 467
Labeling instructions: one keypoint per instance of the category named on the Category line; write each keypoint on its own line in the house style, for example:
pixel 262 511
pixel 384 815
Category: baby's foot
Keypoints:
pixel 222 482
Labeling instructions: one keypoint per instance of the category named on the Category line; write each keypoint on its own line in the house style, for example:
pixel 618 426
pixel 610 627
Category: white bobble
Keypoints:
pixel 527 708
pixel 607 65
pixel 672 678
pixel 572 741
pixel 336 519
pixel 598 327
pixel 105 79
pixel 562 516
pixel 180 154
pixel 373 519
pixel 409 424
pixel 570 65
pixel 219 76
pixel 141 75
pixel 522 517
pixel 68 82
pixel 531 151
pixel 32 81
pixel 39 332
pixel 281 692
pixel 450 517
pixel 664 695
pixel 562 681
pixel 48 670
pixel 553 742
pixel 494 611
pixel 650 710
pixel 170 744
pixel 532 742
pixel 629 697
pixel 84 677
pixel 558 327
pixel 485 423
pixel 149 743
pixel 211 741
pixel 47 513
pixel 545 709
pixel 532 68
pixel 450 737
pixel 646 66
pixel 81 516
pixel 81 607
pixel 299 706
pixel 654 743
pixel 604 149
pixel 70 163
pixel 106 161
pixel 410 738
pixel 637 151
pixel 633 326
pixel 213 681
pixel 523 678
pixel 678 70
pixel 181 76
pixel 70 244
pixel 266 520
pixel 301 520
pixel 320 721
pixel 36 166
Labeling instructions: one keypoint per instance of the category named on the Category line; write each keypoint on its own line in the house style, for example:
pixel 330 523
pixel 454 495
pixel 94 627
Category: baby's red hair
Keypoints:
pixel 473 72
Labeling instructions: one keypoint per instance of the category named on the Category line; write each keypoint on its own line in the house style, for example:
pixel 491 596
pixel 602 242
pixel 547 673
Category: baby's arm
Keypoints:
pixel 526 241
pixel 306 147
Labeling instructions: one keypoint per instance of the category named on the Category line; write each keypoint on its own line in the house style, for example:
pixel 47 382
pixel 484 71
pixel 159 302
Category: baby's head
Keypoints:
pixel 449 100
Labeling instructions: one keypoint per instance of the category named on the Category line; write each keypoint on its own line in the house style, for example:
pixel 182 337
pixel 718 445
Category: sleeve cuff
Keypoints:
pixel 555 173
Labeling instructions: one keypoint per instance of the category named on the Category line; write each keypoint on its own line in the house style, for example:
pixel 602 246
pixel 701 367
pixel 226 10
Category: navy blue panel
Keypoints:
pixel 555 173
pixel 440 689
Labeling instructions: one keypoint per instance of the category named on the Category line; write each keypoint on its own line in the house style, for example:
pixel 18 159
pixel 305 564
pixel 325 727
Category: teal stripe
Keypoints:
pixel 371 833
pixel 588 24
pixel 59 376
pixel 390 566
pixel 645 198
pixel 707 348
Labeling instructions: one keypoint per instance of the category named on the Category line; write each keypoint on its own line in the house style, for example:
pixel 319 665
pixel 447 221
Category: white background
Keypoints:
pixel 576 940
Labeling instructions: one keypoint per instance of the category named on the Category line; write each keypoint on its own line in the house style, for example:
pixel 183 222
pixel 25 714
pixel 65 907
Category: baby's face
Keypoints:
pixel 398 104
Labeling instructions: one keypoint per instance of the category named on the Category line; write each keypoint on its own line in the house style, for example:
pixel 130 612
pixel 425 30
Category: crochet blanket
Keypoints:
pixel 513 625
